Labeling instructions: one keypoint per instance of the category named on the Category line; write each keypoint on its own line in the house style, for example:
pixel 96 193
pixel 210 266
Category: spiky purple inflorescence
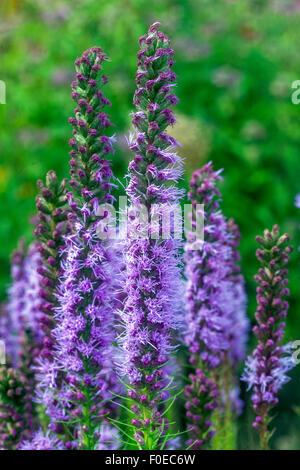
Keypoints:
pixel 153 282
pixel 77 386
pixel 267 367
pixel 215 297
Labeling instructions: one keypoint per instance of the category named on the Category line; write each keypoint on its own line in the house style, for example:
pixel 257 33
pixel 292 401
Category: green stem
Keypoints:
pixel 264 433
pixel 224 419
pixel 87 428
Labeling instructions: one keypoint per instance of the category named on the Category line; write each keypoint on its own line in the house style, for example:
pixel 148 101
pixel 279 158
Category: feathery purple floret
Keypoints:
pixel 153 283
pixel 297 201
pixel 266 370
pixel 109 438
pixel 80 381
pixel 41 441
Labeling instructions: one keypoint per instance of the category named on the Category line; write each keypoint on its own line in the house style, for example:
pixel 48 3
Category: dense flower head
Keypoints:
pixel 76 387
pixel 266 370
pixel 297 201
pixel 153 284
pixel 155 159
pixel 83 332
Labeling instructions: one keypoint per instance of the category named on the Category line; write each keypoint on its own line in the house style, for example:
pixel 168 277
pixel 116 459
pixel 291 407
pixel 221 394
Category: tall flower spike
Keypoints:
pixel 52 225
pixel 266 370
pixel 153 282
pixel 214 294
pixel 80 380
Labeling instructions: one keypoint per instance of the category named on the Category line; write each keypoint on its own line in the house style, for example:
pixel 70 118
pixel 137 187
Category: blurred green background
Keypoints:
pixel 235 60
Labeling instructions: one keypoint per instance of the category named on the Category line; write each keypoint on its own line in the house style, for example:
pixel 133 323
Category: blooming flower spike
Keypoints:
pixel 266 370
pixel 215 310
pixel 80 379
pixel 153 283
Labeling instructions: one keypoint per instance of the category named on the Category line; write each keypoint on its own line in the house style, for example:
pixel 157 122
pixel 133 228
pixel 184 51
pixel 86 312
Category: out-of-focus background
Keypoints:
pixel 236 61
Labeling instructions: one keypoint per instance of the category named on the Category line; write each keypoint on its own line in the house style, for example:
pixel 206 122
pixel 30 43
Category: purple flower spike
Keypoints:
pixel 266 370
pixel 215 297
pixel 76 387
pixel 153 283
pixel 214 290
